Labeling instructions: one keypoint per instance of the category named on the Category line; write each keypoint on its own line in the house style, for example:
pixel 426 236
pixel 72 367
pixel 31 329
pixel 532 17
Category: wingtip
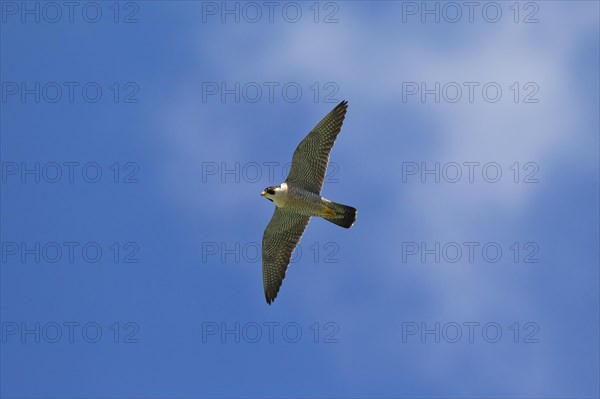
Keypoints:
pixel 341 108
pixel 270 297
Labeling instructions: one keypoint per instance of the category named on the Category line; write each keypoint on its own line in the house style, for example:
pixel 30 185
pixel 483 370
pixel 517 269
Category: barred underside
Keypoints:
pixel 279 241
pixel 310 160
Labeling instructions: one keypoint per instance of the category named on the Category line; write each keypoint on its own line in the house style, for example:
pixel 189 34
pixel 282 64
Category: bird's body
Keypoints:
pixel 299 198
pixel 301 201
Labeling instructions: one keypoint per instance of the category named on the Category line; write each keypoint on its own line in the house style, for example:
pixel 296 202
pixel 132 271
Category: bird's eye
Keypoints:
pixel 271 191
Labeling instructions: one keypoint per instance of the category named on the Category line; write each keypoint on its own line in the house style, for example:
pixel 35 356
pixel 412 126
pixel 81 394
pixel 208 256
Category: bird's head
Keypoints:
pixel 271 192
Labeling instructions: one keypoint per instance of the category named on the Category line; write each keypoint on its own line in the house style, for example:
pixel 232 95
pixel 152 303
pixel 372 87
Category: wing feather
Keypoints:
pixel 279 241
pixel 310 160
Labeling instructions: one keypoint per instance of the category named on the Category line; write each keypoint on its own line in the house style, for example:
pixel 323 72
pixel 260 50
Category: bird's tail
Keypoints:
pixel 344 215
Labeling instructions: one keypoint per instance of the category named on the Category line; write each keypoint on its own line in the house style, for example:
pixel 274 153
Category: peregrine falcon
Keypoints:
pixel 299 197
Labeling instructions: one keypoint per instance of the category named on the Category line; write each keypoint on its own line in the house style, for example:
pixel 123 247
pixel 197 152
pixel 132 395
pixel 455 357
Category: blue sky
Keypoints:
pixel 136 138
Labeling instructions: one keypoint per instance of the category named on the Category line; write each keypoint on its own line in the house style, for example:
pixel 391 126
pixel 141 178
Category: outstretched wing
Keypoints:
pixel 279 241
pixel 311 157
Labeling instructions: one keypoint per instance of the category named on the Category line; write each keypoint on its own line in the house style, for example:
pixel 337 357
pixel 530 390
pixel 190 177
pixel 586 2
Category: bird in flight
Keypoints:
pixel 299 197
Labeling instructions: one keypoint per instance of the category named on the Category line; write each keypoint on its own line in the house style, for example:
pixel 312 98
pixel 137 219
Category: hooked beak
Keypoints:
pixel 263 193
